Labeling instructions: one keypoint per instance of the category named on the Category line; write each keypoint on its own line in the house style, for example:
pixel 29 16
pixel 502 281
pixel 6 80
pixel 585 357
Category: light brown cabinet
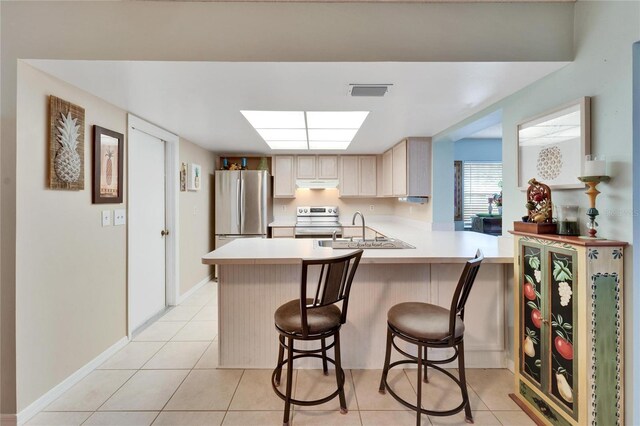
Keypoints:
pixel 386 189
pixel 306 166
pixel 358 176
pixel 411 168
pixel 283 232
pixel 317 167
pixel 327 167
pixel 284 184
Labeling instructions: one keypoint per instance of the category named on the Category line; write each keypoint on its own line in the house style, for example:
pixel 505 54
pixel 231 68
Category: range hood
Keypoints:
pixel 317 183
pixel 415 200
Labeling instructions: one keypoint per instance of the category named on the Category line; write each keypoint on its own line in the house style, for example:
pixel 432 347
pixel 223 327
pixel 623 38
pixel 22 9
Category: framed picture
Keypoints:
pixel 66 145
pixel 108 154
pixel 183 177
pixel 552 146
pixel 194 180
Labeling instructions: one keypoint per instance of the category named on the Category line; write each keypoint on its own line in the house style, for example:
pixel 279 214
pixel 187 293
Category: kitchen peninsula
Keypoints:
pixel 258 275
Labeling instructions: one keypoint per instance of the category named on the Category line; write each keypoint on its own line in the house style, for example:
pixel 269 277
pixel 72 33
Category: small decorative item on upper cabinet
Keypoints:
pixel 108 148
pixel 225 164
pixel 243 162
pixel 195 177
pixel 66 145
pixel 263 165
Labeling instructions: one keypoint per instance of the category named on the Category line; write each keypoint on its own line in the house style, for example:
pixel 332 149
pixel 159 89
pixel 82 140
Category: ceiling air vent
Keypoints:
pixel 378 90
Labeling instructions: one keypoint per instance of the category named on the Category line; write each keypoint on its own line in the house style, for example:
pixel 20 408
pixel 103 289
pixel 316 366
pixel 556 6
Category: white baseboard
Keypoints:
pixel 8 420
pixel 46 399
pixel 193 289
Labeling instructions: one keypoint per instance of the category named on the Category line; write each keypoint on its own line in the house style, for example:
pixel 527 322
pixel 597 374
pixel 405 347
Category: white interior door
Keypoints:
pixel 147 256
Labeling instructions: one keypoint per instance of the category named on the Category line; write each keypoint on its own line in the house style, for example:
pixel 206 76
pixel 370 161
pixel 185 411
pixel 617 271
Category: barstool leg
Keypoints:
pixel 387 359
pixel 426 379
pixel 463 382
pixel 280 358
pixel 340 378
pixel 287 402
pixel 419 403
pixel 324 358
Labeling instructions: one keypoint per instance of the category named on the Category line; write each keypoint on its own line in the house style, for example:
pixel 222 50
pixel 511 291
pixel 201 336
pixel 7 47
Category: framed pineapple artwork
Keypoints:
pixel 108 154
pixel 194 181
pixel 66 145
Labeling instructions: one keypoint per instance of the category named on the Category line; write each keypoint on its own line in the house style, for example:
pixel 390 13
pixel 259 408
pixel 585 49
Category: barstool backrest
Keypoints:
pixel 334 285
pixel 463 289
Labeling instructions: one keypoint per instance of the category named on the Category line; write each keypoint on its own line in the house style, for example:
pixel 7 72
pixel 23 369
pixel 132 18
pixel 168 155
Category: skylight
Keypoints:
pixel 293 130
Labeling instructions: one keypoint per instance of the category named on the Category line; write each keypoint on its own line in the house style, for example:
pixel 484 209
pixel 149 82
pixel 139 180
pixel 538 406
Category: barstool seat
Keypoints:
pixel 319 320
pixel 423 321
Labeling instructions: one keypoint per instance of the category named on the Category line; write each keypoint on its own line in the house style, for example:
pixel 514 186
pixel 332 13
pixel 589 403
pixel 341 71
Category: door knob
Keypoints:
pixel 164 232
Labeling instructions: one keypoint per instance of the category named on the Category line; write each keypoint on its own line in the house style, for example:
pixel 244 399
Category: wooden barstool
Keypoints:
pixel 315 318
pixel 431 326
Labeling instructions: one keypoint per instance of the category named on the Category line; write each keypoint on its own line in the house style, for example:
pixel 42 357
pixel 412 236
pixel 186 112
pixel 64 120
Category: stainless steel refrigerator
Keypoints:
pixel 243 205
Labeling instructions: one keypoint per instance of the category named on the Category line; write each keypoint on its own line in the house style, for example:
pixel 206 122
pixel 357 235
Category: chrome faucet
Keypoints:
pixel 333 235
pixel 353 222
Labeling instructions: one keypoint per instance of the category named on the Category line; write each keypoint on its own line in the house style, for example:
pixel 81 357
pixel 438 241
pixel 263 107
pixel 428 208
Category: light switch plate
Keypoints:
pixel 119 217
pixel 106 217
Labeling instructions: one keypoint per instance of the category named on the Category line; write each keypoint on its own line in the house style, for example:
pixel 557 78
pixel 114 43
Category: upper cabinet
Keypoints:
pixel 410 168
pixel 358 176
pixel 327 167
pixel 306 167
pixel 317 167
pixel 386 189
pixel 284 184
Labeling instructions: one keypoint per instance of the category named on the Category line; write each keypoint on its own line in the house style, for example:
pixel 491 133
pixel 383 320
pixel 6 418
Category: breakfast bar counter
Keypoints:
pixel 258 275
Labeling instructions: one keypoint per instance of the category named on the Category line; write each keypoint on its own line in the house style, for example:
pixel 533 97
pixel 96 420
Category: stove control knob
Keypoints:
pixel 305 210
pixel 299 210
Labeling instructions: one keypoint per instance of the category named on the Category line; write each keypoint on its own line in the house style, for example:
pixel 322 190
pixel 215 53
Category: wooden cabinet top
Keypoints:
pixel 576 241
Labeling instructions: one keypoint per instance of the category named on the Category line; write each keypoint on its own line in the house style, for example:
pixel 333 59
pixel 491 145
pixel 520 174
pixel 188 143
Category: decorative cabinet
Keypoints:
pixel 284 184
pixel 568 353
pixel 358 176
pixel 411 168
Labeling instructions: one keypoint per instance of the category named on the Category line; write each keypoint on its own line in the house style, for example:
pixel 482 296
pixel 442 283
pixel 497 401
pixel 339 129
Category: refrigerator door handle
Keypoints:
pixel 242 205
pixel 239 212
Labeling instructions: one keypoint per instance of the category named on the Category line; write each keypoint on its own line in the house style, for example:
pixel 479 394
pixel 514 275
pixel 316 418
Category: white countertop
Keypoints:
pixel 431 247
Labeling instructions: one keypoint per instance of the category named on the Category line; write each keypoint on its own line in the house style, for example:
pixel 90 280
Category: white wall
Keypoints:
pixel 71 301
pixel 196 218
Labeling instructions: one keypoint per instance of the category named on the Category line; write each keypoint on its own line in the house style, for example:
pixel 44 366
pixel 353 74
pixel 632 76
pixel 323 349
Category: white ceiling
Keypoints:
pixel 201 101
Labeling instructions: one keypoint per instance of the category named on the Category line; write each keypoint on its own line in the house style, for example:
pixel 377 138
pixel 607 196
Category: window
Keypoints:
pixel 480 181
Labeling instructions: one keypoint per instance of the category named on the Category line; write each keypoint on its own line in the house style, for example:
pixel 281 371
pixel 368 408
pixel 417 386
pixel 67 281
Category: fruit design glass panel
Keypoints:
pixel 562 327
pixel 531 308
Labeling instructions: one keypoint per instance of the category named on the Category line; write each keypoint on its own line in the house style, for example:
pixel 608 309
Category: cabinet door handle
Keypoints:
pixel 164 232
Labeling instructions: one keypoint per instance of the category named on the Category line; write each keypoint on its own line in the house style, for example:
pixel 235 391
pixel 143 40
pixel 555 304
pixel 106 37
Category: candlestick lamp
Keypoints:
pixel 595 170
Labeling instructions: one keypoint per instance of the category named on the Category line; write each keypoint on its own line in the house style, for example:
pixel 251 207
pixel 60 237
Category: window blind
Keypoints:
pixel 480 181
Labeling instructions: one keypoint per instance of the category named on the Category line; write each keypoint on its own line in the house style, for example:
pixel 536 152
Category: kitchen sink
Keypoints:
pixel 378 243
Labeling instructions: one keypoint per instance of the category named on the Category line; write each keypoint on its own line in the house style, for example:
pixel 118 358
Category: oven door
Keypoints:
pixel 317 232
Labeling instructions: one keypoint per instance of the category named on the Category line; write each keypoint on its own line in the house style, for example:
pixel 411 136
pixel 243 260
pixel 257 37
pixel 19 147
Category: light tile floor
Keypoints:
pixel 167 376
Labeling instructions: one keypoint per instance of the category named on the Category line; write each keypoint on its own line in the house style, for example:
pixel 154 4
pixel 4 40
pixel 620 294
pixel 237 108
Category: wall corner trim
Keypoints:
pixel 195 288
pixel 54 393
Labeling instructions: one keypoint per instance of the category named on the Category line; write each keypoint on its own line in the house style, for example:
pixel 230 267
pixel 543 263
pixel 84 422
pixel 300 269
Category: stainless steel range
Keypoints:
pixel 317 222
